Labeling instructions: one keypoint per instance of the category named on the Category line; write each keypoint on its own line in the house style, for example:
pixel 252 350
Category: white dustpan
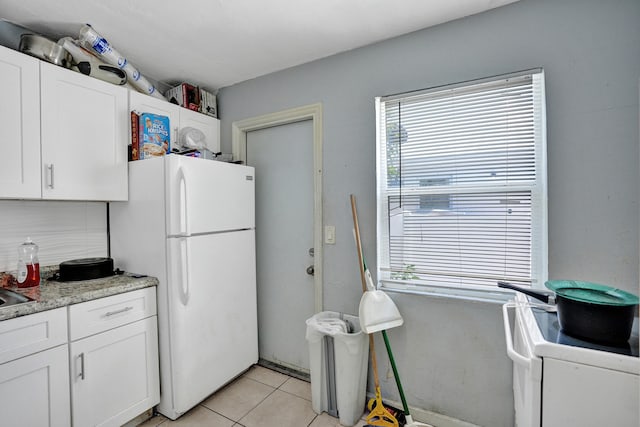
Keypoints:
pixel 377 311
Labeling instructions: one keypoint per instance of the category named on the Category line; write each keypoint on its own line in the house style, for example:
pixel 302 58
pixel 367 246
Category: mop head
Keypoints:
pixel 378 312
pixel 380 415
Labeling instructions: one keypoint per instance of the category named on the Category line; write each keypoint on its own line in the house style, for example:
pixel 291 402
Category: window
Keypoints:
pixel 462 185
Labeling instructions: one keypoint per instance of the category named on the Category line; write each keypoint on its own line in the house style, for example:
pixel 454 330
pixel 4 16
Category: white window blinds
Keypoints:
pixel 462 184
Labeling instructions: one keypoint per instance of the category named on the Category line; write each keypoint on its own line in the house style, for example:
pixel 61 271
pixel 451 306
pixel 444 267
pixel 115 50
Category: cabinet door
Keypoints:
pixel 588 396
pixel 114 375
pixel 35 390
pixel 210 126
pixel 84 136
pixel 20 129
pixel 147 104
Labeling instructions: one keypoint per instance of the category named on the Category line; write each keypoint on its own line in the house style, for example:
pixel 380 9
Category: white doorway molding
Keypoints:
pixel 312 112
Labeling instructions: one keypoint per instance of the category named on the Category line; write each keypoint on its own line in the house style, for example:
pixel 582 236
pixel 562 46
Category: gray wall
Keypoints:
pixel 451 353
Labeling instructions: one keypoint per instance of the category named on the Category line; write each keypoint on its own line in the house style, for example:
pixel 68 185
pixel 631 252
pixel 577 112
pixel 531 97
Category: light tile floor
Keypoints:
pixel 259 398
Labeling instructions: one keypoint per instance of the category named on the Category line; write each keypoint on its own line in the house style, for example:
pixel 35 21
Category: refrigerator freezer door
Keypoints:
pixel 213 312
pixel 205 196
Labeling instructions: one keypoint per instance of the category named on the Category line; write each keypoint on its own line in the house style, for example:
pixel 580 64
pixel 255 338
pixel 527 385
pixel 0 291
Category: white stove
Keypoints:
pixel 562 381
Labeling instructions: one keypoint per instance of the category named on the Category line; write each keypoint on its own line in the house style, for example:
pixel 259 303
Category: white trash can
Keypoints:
pixel 338 364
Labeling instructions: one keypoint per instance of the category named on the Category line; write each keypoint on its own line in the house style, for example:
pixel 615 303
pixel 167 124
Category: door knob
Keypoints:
pixel 312 252
pixel 310 270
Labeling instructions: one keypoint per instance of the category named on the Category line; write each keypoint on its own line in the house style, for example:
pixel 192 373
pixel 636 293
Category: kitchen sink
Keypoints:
pixel 9 297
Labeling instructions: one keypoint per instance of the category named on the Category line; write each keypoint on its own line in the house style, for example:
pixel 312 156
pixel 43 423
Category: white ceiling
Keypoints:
pixel 216 43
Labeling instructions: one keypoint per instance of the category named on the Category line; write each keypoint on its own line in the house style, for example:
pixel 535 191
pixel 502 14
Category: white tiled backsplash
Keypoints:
pixel 62 230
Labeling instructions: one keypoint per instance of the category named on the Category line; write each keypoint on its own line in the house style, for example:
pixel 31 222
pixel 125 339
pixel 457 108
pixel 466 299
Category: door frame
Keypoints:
pixel 311 112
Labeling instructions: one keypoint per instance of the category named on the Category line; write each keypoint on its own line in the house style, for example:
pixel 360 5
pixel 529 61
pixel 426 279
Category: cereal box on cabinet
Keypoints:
pixel 154 135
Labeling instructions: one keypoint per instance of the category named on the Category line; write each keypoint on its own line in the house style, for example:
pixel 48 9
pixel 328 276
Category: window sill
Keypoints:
pixel 493 296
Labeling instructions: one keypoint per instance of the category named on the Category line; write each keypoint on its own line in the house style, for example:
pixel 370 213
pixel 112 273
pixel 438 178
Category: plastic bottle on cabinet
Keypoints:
pixel 28 265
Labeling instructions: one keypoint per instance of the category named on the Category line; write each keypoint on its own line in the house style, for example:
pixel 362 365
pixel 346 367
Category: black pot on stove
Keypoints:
pixel 588 310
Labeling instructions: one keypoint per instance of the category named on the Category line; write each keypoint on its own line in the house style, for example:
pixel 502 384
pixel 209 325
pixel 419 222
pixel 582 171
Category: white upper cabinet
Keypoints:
pixel 147 104
pixel 84 136
pixel 210 126
pixel 178 118
pixel 63 135
pixel 19 125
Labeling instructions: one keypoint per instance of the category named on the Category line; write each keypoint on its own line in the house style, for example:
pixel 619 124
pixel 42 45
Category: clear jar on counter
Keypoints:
pixel 28 265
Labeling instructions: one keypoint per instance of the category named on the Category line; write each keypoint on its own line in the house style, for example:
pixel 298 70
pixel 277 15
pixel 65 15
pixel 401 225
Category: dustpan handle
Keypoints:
pixel 354 213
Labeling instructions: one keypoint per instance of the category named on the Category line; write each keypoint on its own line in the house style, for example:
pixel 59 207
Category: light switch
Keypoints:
pixel 330 234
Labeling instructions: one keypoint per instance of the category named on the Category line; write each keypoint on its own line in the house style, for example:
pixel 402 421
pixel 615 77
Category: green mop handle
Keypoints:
pixel 395 372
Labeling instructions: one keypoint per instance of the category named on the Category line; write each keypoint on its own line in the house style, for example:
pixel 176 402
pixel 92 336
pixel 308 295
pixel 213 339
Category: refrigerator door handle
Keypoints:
pixel 182 191
pixel 184 271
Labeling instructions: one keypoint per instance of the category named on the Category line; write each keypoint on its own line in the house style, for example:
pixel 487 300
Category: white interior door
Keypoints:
pixel 283 160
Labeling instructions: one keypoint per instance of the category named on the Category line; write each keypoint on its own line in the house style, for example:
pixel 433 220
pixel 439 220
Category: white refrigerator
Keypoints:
pixel 190 222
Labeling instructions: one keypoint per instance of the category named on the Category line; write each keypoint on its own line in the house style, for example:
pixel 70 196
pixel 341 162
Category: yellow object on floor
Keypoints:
pixel 379 415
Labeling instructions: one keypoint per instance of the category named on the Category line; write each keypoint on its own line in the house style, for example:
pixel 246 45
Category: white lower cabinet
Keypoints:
pixel 34 370
pixel 34 390
pixel 113 380
pixel 98 369
pixel 576 394
pixel 114 371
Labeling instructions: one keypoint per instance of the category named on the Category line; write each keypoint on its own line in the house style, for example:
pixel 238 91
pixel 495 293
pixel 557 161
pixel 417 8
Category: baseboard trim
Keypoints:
pixel 428 417
pixel 145 416
pixel 285 370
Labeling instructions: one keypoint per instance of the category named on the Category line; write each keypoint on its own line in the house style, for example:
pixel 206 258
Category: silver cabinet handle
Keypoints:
pixel 122 310
pixel 81 357
pixel 49 168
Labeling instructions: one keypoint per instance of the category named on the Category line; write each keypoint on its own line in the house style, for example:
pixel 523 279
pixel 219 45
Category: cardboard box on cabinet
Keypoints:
pixel 154 135
pixel 185 95
pixel 208 104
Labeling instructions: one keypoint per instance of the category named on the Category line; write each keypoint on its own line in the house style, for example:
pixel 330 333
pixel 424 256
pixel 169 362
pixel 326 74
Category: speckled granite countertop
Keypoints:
pixel 52 294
